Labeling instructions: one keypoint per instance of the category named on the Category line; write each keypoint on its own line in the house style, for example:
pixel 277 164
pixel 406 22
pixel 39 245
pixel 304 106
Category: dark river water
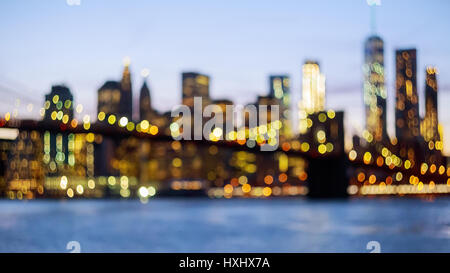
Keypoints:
pixel 237 225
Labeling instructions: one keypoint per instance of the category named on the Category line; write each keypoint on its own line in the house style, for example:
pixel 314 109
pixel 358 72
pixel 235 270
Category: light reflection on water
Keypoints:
pixel 238 225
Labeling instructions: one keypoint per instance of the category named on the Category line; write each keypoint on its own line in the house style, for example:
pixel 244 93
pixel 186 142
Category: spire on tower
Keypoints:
pixel 126 100
pixel 126 61
pixel 373 4
pixel 145 107
pixel 126 77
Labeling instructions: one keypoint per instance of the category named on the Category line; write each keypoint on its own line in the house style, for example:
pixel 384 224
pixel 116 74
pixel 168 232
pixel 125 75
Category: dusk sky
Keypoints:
pixel 238 43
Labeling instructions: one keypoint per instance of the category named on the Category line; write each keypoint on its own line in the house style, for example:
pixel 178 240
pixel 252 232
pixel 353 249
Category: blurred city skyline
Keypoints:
pixel 237 44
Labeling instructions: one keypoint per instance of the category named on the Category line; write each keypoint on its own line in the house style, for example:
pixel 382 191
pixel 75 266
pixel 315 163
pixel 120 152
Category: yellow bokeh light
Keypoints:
pixel 228 189
pixel 70 193
pixel 267 191
pixel 101 116
pixel 111 119
pixel 322 148
pixel 154 130
pixel 246 188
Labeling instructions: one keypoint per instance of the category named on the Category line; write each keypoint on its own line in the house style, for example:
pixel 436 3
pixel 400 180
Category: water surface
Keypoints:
pixel 237 225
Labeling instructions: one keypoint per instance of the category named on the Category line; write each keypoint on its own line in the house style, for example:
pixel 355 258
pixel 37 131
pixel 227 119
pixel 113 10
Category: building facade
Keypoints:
pixel 374 88
pixel 59 104
pixel 407 100
pixel 280 91
pixel 430 122
pixel 313 93
pixel 58 110
pixel 195 85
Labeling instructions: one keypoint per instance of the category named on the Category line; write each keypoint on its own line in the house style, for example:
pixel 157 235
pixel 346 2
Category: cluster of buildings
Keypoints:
pixel 410 128
pixel 418 142
pixel 117 155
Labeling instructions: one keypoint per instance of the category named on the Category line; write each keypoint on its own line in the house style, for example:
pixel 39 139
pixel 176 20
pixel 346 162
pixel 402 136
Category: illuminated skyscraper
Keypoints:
pixel 374 89
pixel 430 122
pixel 126 100
pixel 195 85
pixel 313 84
pixel 279 90
pixel 59 104
pixel 313 93
pixel 109 98
pixel 407 100
pixel 58 108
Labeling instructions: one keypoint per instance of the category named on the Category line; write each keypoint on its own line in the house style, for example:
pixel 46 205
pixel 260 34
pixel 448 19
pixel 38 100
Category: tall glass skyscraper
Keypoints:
pixel 313 84
pixel 313 93
pixel 407 101
pixel 374 90
pixel 430 121
pixel 279 90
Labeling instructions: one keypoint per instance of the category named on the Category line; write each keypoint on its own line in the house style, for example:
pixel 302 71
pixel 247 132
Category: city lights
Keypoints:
pixel 245 129
pixel 123 149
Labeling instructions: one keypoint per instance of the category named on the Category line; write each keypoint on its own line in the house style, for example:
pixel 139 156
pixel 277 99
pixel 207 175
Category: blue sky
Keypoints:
pixel 237 43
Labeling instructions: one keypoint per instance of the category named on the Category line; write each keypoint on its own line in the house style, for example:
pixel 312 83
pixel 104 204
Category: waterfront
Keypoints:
pixel 238 225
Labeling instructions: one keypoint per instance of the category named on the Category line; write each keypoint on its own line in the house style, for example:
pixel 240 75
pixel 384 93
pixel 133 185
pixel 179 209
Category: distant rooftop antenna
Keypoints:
pixel 373 4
